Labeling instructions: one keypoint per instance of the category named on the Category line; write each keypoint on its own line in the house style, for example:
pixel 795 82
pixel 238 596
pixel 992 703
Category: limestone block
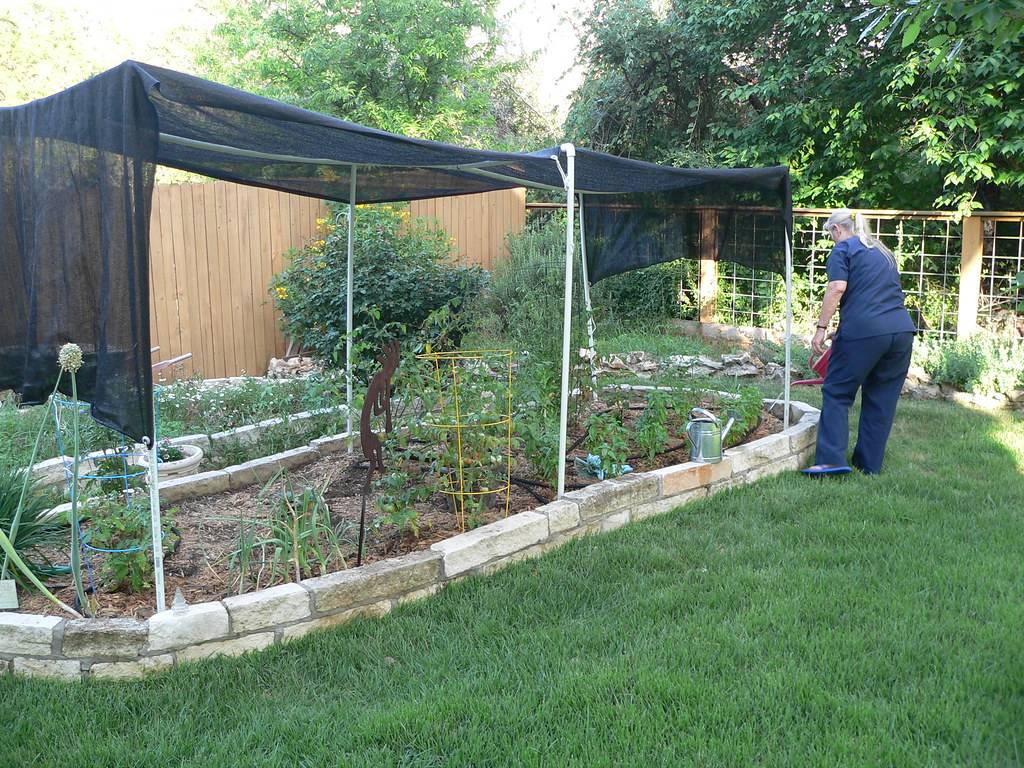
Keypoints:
pixel 57 669
pixel 235 647
pixel 373 610
pixel 196 624
pixel 759 452
pixel 805 433
pixel 680 478
pixel 613 521
pixel 787 464
pixel 296 457
pixel 128 670
pixel 247 435
pixel 261 470
pixel 529 553
pixel 267 608
pixel 562 515
pixel 667 504
pixel 601 499
pixel 250 472
pixel 103 638
pixel 202 441
pixel 478 547
pixel 52 471
pixel 420 594
pixel 331 444
pixel 384 579
pixel 27 633
pixel 201 484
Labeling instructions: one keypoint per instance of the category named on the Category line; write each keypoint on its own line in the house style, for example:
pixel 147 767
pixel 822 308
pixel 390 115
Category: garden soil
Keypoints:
pixel 203 563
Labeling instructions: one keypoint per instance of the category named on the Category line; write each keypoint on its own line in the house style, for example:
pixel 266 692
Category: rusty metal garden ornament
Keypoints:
pixel 377 403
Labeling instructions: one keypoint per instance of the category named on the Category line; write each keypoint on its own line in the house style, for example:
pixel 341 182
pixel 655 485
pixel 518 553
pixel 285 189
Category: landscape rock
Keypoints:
pixel 385 579
pixel 98 638
pixel 609 496
pixel 57 669
pixel 478 547
pixel 27 633
pixel 267 607
pixel 291 367
pixel 195 624
pixel 562 515
pixel 178 488
pixel 373 610
pixel 235 647
pixel 128 670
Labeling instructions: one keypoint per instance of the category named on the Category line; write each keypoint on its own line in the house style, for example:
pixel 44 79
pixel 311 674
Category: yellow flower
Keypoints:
pixel 282 292
pixel 321 265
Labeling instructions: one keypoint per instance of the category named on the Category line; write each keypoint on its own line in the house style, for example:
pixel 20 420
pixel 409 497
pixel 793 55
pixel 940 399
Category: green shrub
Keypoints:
pixel 125 529
pixel 401 276
pixel 35 534
pixel 982 363
pixel 643 294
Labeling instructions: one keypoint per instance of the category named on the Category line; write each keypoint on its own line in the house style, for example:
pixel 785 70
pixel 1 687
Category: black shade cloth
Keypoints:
pixel 740 215
pixel 77 184
pixel 75 194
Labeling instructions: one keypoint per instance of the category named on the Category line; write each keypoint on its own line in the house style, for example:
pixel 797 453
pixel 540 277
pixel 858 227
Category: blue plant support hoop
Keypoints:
pixel 131 469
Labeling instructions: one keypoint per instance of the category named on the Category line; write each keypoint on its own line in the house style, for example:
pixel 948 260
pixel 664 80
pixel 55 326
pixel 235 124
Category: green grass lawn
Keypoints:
pixel 863 621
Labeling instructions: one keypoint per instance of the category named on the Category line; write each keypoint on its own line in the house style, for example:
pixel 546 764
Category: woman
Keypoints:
pixel 870 351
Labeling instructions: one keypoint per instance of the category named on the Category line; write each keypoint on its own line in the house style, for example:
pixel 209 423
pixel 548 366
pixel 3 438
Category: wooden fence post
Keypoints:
pixel 971 256
pixel 707 287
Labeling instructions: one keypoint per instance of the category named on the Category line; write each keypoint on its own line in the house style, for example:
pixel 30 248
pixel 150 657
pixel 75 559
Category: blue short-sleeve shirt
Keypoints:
pixel 873 302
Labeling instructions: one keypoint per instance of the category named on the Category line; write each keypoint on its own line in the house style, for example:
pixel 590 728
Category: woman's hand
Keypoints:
pixel 818 342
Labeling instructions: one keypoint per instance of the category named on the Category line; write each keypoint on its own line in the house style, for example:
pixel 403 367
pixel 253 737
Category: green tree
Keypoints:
pixel 755 82
pixel 424 68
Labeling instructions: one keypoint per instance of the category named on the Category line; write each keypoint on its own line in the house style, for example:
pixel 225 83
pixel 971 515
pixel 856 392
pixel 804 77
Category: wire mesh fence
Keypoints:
pixel 928 248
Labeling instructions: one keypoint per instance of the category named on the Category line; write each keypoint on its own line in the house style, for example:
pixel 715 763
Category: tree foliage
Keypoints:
pixel 424 68
pixel 755 82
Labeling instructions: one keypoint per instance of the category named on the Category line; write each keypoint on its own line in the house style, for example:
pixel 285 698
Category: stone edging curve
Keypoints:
pixel 72 649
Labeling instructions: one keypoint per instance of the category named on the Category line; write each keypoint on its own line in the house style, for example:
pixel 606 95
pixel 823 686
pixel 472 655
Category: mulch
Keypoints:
pixel 210 526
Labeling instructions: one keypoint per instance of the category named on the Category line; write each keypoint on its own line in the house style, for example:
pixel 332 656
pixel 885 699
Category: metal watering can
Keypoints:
pixel 705 433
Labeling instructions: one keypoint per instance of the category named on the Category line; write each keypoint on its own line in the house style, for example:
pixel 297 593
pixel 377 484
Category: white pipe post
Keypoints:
pixel 586 300
pixel 789 330
pixel 569 177
pixel 155 526
pixel 349 281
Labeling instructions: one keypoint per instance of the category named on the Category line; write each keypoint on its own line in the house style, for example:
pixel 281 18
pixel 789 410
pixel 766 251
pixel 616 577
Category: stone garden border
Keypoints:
pixel 52 471
pixel 72 649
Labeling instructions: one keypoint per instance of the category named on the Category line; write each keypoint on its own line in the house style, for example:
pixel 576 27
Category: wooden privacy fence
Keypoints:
pixel 214 247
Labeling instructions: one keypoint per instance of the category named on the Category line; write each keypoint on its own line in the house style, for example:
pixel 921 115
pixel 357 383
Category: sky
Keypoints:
pixel 157 32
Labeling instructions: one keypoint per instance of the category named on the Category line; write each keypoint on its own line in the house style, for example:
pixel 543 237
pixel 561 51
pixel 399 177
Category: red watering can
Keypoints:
pixel 819 366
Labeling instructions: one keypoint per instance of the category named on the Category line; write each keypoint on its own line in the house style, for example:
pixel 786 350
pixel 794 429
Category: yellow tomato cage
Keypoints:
pixel 447 368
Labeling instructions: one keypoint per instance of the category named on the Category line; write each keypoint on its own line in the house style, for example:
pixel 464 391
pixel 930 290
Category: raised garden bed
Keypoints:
pixel 211 528
pixel 51 646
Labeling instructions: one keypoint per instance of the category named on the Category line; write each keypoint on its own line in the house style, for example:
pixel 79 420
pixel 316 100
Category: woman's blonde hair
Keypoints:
pixel 856 224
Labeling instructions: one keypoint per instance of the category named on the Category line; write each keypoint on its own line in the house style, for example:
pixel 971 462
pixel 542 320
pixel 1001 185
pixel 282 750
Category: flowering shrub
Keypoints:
pixel 982 363
pixel 401 276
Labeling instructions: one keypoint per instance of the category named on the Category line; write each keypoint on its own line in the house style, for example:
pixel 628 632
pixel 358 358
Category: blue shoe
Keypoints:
pixel 823 470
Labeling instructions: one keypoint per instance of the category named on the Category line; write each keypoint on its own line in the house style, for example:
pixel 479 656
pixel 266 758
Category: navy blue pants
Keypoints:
pixel 877 366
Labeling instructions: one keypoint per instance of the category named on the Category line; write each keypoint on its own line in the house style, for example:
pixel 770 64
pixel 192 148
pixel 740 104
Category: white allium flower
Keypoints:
pixel 70 358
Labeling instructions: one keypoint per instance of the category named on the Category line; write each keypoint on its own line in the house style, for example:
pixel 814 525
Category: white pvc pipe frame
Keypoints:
pixel 569 180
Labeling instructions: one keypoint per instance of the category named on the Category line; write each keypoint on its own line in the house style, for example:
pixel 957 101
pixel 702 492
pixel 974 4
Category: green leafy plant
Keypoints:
pixel 302 540
pixel 608 438
pixel 117 475
pixel 981 363
pixel 34 534
pixel 168 452
pixel 125 529
pixel 652 426
pixel 402 275
pixel 398 495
